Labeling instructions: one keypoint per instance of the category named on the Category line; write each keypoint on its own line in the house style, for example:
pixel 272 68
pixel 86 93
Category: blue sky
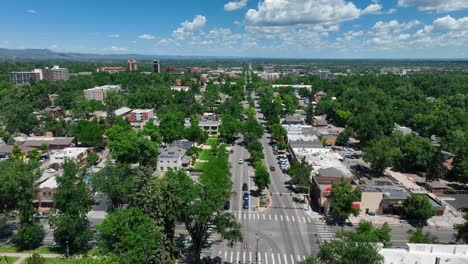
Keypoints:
pixel 252 28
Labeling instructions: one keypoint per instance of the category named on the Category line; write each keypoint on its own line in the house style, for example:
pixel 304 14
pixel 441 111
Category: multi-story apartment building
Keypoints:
pixel 26 77
pixel 99 93
pixel 209 122
pixel 140 115
pixel 132 65
pixel 156 66
pixel 56 74
pixel 112 69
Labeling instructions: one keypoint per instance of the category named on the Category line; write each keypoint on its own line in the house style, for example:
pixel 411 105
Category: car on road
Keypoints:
pixel 50 170
pixel 246 196
pixel 231 150
pixel 227 205
pixel 241 161
pixel 245 187
pixel 272 168
pixel 246 204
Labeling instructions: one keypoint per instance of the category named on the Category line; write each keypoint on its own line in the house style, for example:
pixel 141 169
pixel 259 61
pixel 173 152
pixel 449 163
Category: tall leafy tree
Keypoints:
pixel 194 132
pixel 366 232
pixel 462 230
pixel 262 177
pixel 229 127
pixel 381 154
pixel 417 236
pixel 418 208
pixel 88 133
pixel 72 202
pixel 343 198
pixel 171 126
pixel 117 181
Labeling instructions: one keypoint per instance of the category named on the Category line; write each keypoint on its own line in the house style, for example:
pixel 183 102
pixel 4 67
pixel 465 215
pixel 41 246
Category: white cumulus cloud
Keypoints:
pixel 32 11
pixel 235 5
pixel 295 12
pixel 372 9
pixel 146 36
pixel 115 48
pixel 188 28
pixel 435 5
pixel 114 36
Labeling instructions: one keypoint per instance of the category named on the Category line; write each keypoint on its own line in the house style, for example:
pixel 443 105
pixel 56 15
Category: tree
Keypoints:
pixel 250 112
pixel 309 260
pixel 88 133
pixel 462 230
pixel 117 181
pixel 34 154
pixel 343 136
pixel 29 236
pixel 132 236
pixel 252 130
pixel 366 232
pixel 229 127
pixel 310 113
pixel 278 132
pixel 255 149
pixel 380 154
pixel 72 201
pixel 92 159
pixel 417 153
pixel 300 174
pixel 343 198
pixel 211 96
pixel 262 177
pixel 172 126
pixel 151 130
pixel 345 251
pixel 417 236
pixel 194 132
pixel 35 258
pixel 418 207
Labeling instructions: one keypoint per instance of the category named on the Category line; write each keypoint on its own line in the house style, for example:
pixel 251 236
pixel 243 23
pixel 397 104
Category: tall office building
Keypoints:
pixel 132 65
pixel 156 66
pixel 55 74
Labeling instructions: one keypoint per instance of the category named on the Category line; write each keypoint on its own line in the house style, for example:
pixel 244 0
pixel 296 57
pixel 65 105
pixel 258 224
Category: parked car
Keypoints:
pixel 246 204
pixel 241 161
pixel 227 205
pixel 245 187
pixel 50 170
pixel 246 196
pixel 272 168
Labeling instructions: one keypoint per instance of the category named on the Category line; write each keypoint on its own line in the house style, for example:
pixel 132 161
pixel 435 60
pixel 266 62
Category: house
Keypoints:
pixel 55 111
pixel 51 142
pixel 6 150
pixel 293 120
pixel 436 187
pixel 320 122
pixel 209 122
pixel 140 115
pixel 77 155
pixel 173 158
pixel 184 144
pixel 45 193
pixel 319 96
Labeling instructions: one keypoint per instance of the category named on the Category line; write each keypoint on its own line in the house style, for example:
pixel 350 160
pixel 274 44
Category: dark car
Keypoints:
pixel 246 204
pixel 245 187
pixel 272 168
pixel 246 196
pixel 227 205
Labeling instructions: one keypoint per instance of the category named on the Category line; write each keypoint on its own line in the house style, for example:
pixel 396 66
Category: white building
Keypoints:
pixel 180 88
pixel 77 155
pixel 426 254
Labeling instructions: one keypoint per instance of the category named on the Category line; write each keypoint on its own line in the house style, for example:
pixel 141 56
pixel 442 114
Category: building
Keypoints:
pixel 112 69
pixel 52 143
pixel 26 77
pixel 77 155
pixel 436 187
pixel 426 254
pixel 45 193
pixel 293 120
pixel 132 65
pixel 296 87
pixel 99 93
pixel 55 111
pixel 173 157
pixel 209 122
pixel 180 88
pixel 56 74
pixel 173 70
pixel 323 74
pixel 140 115
pixel 124 111
pixel 156 66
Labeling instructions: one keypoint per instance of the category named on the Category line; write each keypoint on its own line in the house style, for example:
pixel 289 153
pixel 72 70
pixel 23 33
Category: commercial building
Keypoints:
pixel 45 193
pixel 99 93
pixel 323 74
pixel 209 122
pixel 112 69
pixel 124 111
pixel 77 155
pixel 56 74
pixel 156 66
pixel 426 254
pixel 26 77
pixel 132 65
pixel 296 87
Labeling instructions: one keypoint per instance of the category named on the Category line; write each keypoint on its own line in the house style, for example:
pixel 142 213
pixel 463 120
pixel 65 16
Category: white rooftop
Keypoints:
pixel 49 183
pixel 426 253
pixel 321 158
pixel 122 111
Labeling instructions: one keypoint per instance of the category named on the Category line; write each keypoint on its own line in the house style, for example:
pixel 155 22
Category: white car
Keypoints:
pixel 241 161
pixel 50 170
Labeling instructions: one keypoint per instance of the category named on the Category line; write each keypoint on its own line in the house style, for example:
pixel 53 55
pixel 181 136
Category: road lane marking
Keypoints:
pixel 269 217
pixel 294 219
pixel 266 258
pixel 232 253
pixel 276 218
pixel 273 258
pixel 279 258
pixel 281 218
pixel 287 218
pixel 285 259
pixel 237 258
pixel 292 258
pixel 243 256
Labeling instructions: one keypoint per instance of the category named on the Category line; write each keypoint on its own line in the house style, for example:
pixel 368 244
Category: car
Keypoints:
pixel 245 187
pixel 241 161
pixel 246 196
pixel 272 168
pixel 231 150
pixel 50 170
pixel 246 204
pixel 40 216
pixel 227 205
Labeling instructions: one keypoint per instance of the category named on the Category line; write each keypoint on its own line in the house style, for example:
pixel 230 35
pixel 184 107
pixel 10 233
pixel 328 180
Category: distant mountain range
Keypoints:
pixel 46 54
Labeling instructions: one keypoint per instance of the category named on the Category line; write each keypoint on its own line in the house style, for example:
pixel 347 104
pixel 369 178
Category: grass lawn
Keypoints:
pixel 56 260
pixel 40 250
pixel 206 154
pixel 212 141
pixel 200 165
pixel 9 259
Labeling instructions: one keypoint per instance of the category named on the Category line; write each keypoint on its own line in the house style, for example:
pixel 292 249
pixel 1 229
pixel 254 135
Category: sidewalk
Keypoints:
pixel 23 256
pixel 378 220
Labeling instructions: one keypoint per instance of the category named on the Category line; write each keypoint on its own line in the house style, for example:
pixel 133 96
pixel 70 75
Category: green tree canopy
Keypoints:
pixel 343 198
pixel 417 207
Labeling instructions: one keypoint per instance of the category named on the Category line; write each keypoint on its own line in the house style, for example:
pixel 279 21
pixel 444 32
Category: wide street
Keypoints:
pixel 282 233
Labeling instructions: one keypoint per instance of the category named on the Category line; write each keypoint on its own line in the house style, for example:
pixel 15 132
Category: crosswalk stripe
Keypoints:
pixel 298 258
pixel 258 217
pixel 225 254
pixel 279 258
pixel 304 219
pixel 250 256
pixel 292 258
pixel 243 256
pixel 273 258
pixel 276 218
pixel 269 217
pixel 232 253
pixel 285 259
pixel 308 219
pixel 263 217
pixel 259 257
pixel 287 218
pixel 294 219
pixel 237 258
pixel 281 218
pixel 266 258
